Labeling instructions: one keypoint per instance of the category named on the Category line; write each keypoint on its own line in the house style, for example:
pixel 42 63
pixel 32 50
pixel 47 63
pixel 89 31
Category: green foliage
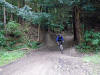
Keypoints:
pixel 12 26
pixel 56 27
pixel 13 29
pixel 89 7
pixel 94 58
pixel 41 17
pixel 35 17
pixel 91 42
pixel 1 25
pixel 8 57
pixel 33 44
pixel 25 12
pixel 13 35
pixel 2 39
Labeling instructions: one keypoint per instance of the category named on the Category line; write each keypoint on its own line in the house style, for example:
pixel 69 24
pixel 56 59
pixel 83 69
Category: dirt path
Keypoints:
pixel 49 61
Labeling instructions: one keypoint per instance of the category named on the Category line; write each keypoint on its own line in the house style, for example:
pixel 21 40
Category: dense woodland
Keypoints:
pixel 22 21
pixel 28 29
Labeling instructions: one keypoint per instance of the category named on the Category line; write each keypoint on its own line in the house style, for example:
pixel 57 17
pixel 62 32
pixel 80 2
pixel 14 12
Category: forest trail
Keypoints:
pixel 49 61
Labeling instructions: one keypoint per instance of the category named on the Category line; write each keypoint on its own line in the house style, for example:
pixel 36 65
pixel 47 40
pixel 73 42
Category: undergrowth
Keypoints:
pixel 91 42
pixel 14 43
pixel 8 57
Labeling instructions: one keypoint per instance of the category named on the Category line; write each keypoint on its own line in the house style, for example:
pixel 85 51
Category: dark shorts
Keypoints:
pixel 60 42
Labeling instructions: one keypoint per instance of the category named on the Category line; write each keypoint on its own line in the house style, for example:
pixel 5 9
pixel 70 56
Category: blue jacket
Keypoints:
pixel 62 39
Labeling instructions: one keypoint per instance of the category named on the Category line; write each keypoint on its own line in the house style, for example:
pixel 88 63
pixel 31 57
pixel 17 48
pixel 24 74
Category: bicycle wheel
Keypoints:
pixel 61 48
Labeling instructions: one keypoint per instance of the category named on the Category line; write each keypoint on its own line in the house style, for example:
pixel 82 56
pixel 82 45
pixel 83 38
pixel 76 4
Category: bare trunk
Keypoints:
pixel 74 29
pixel 19 18
pixel 11 17
pixel 38 39
pixel 76 24
pixel 40 10
pixel 4 16
pixel 5 19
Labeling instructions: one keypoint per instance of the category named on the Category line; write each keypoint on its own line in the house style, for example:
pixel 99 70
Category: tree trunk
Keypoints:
pixel 11 16
pixel 38 33
pixel 74 29
pixel 23 20
pixel 38 39
pixel 4 16
pixel 76 24
pixel 19 18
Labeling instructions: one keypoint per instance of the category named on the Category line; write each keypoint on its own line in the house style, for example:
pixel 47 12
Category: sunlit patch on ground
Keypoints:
pixel 94 58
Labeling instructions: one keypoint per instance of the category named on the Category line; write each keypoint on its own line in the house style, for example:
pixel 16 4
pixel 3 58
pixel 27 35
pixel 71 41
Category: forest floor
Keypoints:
pixel 48 60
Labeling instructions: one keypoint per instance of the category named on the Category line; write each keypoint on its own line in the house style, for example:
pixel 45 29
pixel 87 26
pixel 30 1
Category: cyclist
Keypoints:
pixel 59 39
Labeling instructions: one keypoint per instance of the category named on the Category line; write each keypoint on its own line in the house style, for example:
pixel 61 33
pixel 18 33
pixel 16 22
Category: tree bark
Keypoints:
pixel 19 18
pixel 11 16
pixel 74 29
pixel 38 39
pixel 76 25
pixel 38 33
pixel 4 15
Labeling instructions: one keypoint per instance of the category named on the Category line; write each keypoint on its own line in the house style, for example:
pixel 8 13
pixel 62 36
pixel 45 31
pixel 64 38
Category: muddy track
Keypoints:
pixel 48 60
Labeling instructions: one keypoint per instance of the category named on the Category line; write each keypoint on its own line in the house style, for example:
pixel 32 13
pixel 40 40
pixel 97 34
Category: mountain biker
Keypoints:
pixel 59 39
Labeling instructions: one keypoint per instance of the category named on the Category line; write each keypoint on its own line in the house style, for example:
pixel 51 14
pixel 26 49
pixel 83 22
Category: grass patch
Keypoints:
pixel 16 52
pixel 10 56
pixel 94 59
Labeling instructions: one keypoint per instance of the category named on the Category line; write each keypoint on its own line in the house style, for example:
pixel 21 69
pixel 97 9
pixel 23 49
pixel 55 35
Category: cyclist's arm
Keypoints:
pixel 57 39
pixel 62 39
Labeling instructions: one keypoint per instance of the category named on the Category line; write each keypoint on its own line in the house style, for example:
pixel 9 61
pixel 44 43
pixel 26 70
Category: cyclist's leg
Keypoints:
pixel 59 43
pixel 61 47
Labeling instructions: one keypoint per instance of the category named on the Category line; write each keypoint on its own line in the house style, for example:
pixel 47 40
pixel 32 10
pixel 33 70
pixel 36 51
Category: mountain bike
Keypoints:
pixel 60 46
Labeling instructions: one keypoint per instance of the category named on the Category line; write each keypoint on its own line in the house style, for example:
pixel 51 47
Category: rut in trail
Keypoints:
pixel 49 61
